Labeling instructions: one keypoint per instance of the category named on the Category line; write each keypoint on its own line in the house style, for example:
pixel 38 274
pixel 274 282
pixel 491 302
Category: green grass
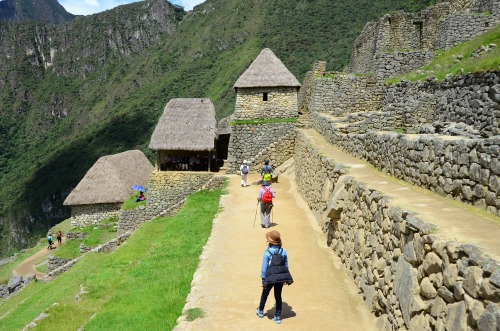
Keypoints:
pixel 64 227
pixel 141 286
pixel 194 313
pixel 130 203
pixel 446 62
pixel 42 268
pixel 96 235
pixel 265 121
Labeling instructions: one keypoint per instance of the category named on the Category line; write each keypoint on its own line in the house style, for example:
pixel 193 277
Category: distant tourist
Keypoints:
pixel 59 237
pixel 274 273
pixel 50 241
pixel 267 171
pixel 266 195
pixel 244 170
pixel 141 197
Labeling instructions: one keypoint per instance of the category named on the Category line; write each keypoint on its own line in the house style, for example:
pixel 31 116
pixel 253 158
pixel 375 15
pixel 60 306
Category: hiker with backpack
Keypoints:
pixel 274 274
pixel 267 171
pixel 244 170
pixel 265 197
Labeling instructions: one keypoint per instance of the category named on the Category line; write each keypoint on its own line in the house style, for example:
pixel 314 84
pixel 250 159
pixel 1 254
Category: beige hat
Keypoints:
pixel 245 162
pixel 274 238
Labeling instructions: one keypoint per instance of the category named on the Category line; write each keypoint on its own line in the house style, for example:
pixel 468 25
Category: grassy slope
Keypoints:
pixel 143 285
pixel 116 107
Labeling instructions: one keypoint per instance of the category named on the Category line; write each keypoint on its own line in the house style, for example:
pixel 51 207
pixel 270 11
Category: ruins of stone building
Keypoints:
pixel 266 93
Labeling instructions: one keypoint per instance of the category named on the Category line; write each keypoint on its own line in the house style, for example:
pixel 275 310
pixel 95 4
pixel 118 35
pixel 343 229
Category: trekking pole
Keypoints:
pixel 255 217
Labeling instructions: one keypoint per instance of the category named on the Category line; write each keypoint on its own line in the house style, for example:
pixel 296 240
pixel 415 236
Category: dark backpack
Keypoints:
pixel 267 196
pixel 244 170
pixel 267 169
pixel 277 271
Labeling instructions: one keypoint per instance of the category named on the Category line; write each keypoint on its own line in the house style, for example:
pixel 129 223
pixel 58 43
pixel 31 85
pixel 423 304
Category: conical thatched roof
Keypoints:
pixel 111 178
pixel 267 71
pixel 186 125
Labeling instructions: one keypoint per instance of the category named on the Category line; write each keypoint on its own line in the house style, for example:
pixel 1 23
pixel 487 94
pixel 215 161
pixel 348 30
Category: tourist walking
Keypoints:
pixel 244 170
pixel 59 237
pixel 50 241
pixel 267 171
pixel 274 274
pixel 265 197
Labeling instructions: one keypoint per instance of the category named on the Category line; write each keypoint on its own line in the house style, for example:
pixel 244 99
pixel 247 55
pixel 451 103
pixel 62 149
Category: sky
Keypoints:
pixel 87 7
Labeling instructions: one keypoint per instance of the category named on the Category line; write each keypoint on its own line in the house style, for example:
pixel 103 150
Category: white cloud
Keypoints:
pixel 88 7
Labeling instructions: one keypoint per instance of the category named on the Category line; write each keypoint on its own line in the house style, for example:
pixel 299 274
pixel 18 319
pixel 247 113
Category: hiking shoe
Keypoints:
pixel 277 319
pixel 260 313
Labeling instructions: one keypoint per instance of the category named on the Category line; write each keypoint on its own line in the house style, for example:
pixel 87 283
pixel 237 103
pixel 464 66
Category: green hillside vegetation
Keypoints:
pixel 115 106
pixel 143 285
pixel 459 60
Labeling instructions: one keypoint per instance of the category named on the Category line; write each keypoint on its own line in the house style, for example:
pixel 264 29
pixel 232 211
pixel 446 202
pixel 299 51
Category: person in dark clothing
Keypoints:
pixel 273 275
pixel 267 171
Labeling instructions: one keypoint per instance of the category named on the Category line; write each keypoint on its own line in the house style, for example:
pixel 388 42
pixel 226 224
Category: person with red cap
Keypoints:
pixel 274 273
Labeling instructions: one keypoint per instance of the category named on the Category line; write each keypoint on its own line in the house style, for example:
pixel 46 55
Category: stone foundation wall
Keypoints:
pixel 248 140
pixel 75 235
pixel 467 170
pixel 345 93
pixel 167 188
pixel 397 63
pixel 281 103
pixel 56 262
pixel 84 215
pixel 408 276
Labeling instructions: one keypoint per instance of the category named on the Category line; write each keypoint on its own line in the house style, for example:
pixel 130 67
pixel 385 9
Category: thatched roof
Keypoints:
pixel 267 71
pixel 186 125
pixel 224 126
pixel 111 178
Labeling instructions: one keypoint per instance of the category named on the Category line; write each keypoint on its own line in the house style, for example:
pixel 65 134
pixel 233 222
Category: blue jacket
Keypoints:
pixel 267 259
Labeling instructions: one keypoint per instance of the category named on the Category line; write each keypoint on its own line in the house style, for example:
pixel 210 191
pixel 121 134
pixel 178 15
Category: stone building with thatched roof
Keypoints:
pixel 265 112
pixel 187 128
pixel 106 185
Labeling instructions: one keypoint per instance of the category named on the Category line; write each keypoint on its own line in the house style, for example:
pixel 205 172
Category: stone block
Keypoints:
pixel 456 318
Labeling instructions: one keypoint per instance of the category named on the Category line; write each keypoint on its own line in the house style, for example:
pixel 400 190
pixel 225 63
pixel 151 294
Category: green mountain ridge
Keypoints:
pixel 97 85
pixel 44 11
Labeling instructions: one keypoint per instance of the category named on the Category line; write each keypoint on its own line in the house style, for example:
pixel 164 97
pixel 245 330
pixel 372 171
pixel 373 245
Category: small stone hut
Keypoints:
pixel 267 94
pixel 185 134
pixel 106 185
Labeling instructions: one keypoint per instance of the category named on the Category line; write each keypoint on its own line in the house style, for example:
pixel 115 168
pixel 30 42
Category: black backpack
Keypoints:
pixel 277 271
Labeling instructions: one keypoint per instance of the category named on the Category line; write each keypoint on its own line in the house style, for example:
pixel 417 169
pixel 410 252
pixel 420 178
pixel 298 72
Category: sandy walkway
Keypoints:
pixel 228 289
pixel 28 266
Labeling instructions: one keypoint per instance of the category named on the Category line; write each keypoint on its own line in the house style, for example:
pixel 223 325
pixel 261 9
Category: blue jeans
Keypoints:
pixel 278 287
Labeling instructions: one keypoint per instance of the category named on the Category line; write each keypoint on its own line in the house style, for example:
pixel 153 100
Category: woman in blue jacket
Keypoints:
pixel 274 274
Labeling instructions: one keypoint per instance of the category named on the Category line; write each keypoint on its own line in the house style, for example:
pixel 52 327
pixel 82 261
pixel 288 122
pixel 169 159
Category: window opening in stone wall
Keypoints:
pixel 418 30
pixel 264 96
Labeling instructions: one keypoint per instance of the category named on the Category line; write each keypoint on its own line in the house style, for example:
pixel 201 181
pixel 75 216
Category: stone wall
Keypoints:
pixel 248 140
pixel 464 169
pixel 342 94
pixel 130 220
pixel 167 188
pixel 305 95
pixel 84 215
pixel 472 99
pixel 412 38
pixel 281 103
pixel 277 153
pixel 408 276
pixel 55 262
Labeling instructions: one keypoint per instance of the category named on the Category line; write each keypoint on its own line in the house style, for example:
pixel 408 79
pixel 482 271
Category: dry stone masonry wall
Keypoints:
pixel 399 43
pixel 84 215
pixel 248 140
pixel 408 276
pixel 281 103
pixel 464 169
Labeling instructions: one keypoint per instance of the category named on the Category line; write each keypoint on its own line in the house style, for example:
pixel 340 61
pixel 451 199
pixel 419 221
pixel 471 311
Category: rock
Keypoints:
pixel 406 287
pixel 446 294
pixel 472 280
pixel 488 291
pixel 475 309
pixel 419 322
pixel 490 319
pixel 432 263
pixel 458 291
pixel 436 280
pixel 427 289
pixel 14 283
pixel 456 318
pixel 438 307
pixel 495 278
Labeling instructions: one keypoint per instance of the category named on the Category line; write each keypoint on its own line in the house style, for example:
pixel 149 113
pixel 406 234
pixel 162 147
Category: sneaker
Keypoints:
pixel 260 313
pixel 277 319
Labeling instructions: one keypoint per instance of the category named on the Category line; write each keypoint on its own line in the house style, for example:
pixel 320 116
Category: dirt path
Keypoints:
pixel 227 285
pixel 456 221
pixel 28 266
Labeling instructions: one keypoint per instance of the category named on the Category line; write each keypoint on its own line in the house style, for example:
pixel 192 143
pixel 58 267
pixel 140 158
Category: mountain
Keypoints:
pixel 97 85
pixel 44 11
